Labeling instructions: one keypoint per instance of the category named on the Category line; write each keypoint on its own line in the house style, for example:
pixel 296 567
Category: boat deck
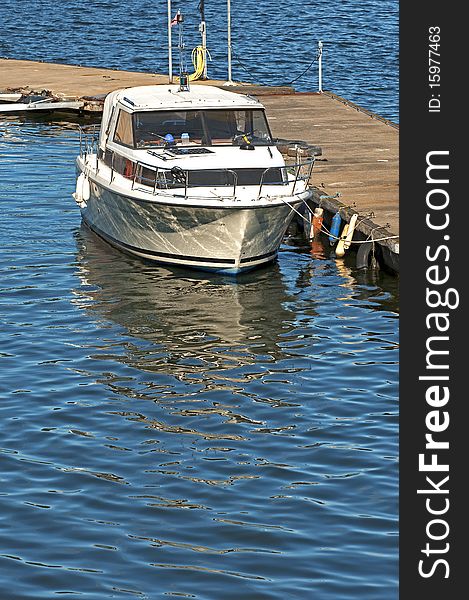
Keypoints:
pixel 360 151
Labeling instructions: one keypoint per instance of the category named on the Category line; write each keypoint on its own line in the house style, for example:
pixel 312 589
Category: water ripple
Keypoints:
pixel 168 433
pixel 360 40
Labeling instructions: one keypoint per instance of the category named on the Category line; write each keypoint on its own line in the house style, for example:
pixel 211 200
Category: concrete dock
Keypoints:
pixel 72 82
pixel 358 171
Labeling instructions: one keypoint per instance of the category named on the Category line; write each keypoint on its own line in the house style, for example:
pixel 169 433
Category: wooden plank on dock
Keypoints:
pixel 72 82
pixel 69 82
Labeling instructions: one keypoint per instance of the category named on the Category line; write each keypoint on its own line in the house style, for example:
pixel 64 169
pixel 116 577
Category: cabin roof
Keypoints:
pixel 160 97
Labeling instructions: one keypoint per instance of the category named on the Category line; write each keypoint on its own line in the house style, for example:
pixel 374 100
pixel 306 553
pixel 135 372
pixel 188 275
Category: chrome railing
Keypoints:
pixel 89 135
pixel 300 170
pixel 174 178
pixel 177 178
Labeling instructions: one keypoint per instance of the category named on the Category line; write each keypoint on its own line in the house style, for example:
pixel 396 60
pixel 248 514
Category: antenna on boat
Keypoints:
pixel 183 74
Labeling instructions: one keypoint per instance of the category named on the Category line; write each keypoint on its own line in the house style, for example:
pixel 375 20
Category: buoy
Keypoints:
pixel 86 190
pixel 79 187
pixel 335 228
pixel 340 249
pixel 351 229
pixel 78 193
pixel 82 190
pixel 317 223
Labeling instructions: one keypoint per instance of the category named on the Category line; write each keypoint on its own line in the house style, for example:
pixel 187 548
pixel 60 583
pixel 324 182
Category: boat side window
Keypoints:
pixel 259 127
pixel 124 134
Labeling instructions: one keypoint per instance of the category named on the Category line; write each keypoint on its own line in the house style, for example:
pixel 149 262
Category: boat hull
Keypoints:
pixel 231 239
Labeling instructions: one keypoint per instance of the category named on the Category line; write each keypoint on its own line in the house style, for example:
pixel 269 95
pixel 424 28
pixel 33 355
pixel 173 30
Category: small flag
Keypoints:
pixel 177 19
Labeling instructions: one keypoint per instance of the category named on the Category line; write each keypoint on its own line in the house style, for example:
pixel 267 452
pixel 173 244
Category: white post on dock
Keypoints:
pixel 170 46
pixel 320 65
pixel 228 8
pixel 203 33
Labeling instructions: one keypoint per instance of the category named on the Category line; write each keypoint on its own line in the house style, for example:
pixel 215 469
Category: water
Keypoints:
pixel 273 42
pixel 167 433
pixel 172 434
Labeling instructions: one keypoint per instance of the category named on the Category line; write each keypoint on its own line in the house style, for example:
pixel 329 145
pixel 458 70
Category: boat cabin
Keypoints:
pixel 151 124
pixel 153 116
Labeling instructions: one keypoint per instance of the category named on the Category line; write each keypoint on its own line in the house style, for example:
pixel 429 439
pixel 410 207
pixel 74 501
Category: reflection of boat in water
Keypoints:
pixel 202 321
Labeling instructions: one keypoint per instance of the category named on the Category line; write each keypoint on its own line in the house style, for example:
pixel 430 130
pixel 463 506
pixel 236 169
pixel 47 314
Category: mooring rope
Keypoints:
pixel 279 84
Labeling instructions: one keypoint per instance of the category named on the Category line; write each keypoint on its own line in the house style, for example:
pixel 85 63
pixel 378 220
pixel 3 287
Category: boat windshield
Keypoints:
pixel 211 127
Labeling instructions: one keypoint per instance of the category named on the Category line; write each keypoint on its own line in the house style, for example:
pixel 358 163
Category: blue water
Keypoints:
pixel 273 42
pixel 172 434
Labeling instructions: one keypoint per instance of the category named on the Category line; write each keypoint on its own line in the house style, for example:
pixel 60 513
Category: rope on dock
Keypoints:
pixel 277 84
pixel 324 229
pixel 370 237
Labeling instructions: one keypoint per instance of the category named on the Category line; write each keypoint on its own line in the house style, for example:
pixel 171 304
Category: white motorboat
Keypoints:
pixel 188 177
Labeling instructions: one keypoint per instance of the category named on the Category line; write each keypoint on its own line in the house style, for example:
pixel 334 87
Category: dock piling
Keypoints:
pixel 320 66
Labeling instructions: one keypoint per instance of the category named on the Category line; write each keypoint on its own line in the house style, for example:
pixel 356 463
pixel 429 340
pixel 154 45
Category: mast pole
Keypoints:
pixel 230 80
pixel 203 33
pixel 170 47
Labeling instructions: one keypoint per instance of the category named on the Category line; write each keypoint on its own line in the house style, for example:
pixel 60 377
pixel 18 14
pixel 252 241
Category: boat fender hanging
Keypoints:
pixel 82 190
pixel 86 190
pixel 317 222
pixel 364 260
pixel 335 228
pixel 351 228
pixel 340 249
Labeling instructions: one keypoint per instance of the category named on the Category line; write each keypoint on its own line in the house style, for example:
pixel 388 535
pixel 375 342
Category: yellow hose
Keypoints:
pixel 199 55
pixel 198 61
